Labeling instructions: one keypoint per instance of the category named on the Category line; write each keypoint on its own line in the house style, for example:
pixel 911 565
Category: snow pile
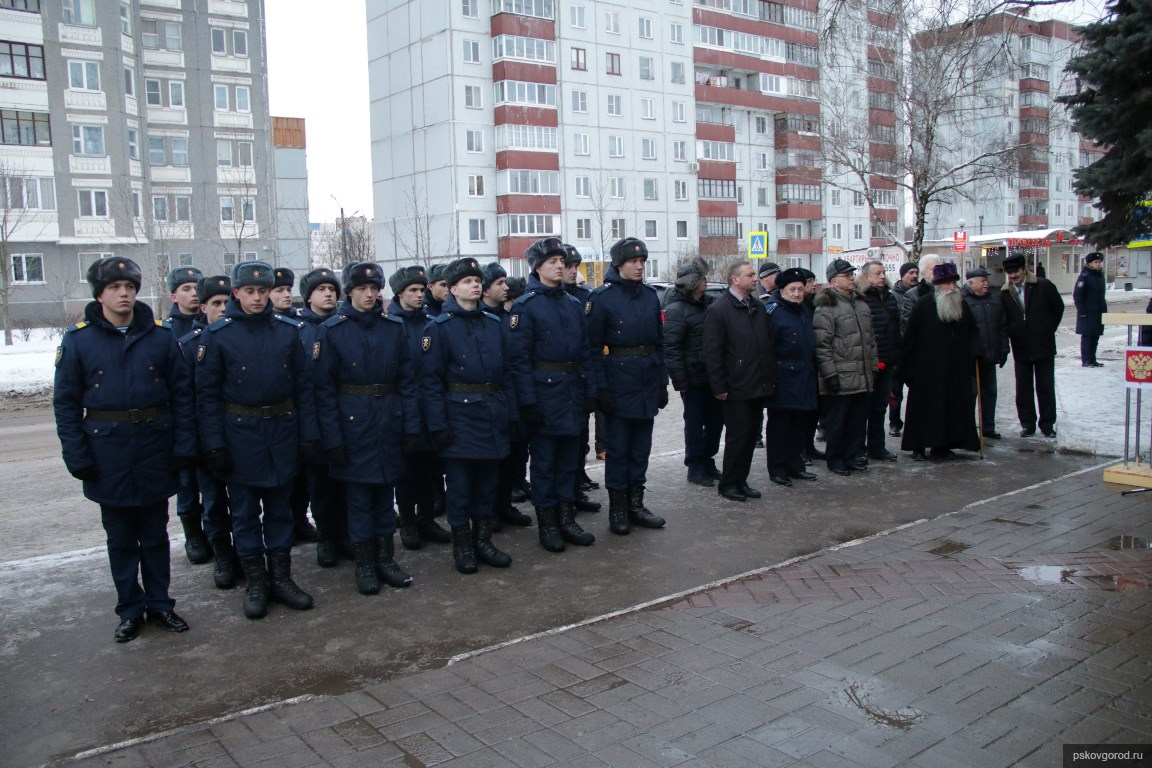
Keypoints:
pixel 27 366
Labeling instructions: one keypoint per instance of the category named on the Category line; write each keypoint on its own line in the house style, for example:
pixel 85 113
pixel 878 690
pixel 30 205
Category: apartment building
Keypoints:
pixel 1020 104
pixel 687 124
pixel 136 128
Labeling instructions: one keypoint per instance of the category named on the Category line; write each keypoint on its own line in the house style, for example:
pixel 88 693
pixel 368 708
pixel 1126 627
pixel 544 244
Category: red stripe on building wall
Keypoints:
pixel 537 161
pixel 517 115
pixel 520 70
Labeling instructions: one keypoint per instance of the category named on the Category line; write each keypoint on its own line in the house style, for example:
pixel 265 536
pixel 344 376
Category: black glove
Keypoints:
pixel 589 405
pixel 605 401
pixel 442 438
pixel 337 457
pixel 532 416
pixel 833 384
pixel 218 461
pixel 307 450
pixel 87 474
pixel 662 399
pixel 411 444
pixel 182 463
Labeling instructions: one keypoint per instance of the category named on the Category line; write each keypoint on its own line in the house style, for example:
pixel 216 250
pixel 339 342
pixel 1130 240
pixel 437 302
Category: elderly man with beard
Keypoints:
pixel 940 347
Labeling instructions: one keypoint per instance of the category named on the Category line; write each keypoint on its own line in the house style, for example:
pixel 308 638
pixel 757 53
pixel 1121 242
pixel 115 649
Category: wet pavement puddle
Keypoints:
pixel 948 548
pixel 1046 574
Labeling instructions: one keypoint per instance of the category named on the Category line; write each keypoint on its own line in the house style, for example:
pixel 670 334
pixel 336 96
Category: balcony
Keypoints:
pixel 171 174
pixel 131 105
pixel 799 245
pixel 168 115
pixel 85 100
pixel 231 64
pixel 232 120
pixel 98 230
pixel 241 176
pixel 71 34
pixel 225 8
pixel 162 58
pixel 95 164
pixel 1034 221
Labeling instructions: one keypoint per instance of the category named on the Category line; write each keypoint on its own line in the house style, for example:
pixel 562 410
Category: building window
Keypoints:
pixel 27 128
pixel 179 151
pixel 583 229
pixel 681 230
pixel 836 197
pixel 133 143
pixel 473 97
pixel 857 231
pixel 161 35
pixel 580 144
pixel 541 9
pixel 88 140
pixel 476 233
pixel 681 188
pixel 219 45
pixel 469 8
pixel 27 268
pixel 242 99
pixel 615 105
pixel 22 60
pixel 678 72
pixel 530 137
pixel 244 154
pixel 29 193
pixel 224 153
pixel 651 190
pixel 240 43
pixel 615 146
pixel 618 229
pixel 612 63
pixel 80 12
pixel 648 148
pixel 525 224
pixel 175 93
pixel 475 141
pixel 576 16
pixel 248 208
pixel 650 229
pixel 617 186
pixel 156 154
pixel 159 208
pixel 761 124
pixel 645 28
pixel 125 18
pixel 152 93
pixel 579 59
pixel 676 33
pixel 648 108
pixel 220 97
pixel 837 232
pixel 579 101
pixel 612 22
pixel 680 151
pixel 583 186
pixel 527 182
pixel 858 199
pixel 129 81
pixel 182 207
pixel 524 48
pixel 472 51
pixel 93 203
pixel 227 208
pixel 83 76
pixel 646 68
pixel 679 113
pixel 523 92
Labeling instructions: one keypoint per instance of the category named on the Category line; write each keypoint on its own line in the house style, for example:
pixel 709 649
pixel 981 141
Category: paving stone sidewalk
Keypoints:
pixel 987 637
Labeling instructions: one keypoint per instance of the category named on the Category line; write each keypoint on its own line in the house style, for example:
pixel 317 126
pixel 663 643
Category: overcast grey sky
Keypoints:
pixel 318 70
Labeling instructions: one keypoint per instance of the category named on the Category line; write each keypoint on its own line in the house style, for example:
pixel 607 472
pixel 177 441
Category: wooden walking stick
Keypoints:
pixel 979 408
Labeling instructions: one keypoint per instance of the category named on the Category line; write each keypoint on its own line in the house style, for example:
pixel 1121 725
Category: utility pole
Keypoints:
pixel 343 232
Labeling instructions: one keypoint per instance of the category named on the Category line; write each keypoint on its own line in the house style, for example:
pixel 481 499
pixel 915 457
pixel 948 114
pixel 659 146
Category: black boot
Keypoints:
pixel 325 539
pixel 195 544
pixel 283 589
pixel 463 550
pixel 224 573
pixel 386 568
pixel 486 551
pixel 638 514
pixel 256 591
pixel 587 483
pixel 438 497
pixel 513 516
pixel 366 580
pixel 570 531
pixel 409 533
pixel 618 512
pixel 548 523
pixel 428 528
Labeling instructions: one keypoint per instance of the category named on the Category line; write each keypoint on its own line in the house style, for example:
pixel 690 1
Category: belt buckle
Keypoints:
pixel 134 416
pixel 377 390
pixel 265 411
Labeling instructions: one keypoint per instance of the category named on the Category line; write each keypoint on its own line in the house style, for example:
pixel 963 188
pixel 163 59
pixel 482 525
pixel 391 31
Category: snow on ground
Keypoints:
pixel 1090 401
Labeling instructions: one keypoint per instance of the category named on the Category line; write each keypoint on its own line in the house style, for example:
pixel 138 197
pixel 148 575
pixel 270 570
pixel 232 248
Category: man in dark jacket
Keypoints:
pixel 872 282
pixel 1033 309
pixel 684 352
pixel 909 278
pixel 1088 296
pixel 989 314
pixel 741 365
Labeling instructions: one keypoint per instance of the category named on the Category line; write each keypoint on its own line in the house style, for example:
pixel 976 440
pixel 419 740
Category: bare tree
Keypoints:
pixel 350 241
pixel 413 234
pixel 933 67
pixel 17 224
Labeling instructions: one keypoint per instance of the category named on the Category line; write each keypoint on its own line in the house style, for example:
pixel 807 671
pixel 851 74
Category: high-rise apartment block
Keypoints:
pixel 686 124
pixel 136 128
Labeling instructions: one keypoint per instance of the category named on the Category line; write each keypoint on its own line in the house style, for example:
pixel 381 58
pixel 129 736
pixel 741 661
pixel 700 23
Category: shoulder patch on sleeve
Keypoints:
pixel 201 351
pixel 514 321
pixel 59 355
pixel 316 350
pixel 1079 283
pixel 425 343
pixel 588 307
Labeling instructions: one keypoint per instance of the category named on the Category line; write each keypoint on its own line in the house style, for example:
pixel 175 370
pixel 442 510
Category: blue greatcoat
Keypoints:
pixel 180 323
pixel 414 322
pixel 468 348
pixel 1089 297
pixel 546 326
pixel 624 313
pixel 365 349
pixel 99 368
pixel 255 361
pixel 795 345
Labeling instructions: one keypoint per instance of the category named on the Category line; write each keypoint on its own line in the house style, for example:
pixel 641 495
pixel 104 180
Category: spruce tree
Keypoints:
pixel 1113 108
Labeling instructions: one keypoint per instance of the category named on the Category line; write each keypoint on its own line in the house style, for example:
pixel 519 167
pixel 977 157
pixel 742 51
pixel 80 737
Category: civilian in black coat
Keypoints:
pixel 872 282
pixel 1033 308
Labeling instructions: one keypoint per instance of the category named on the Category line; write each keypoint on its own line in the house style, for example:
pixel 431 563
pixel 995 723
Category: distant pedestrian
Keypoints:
pixel 1091 304
pixel 1034 309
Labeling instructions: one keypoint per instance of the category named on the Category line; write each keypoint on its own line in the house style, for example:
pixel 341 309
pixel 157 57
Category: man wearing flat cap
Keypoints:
pixel 941 346
pixel 1088 295
pixel 989 314
pixel 1033 308
pixel 767 279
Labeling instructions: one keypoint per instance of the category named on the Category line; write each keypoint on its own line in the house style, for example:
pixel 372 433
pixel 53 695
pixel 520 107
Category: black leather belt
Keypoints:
pixel 135 415
pixel 646 351
pixel 544 365
pixel 374 390
pixel 263 411
pixel 482 389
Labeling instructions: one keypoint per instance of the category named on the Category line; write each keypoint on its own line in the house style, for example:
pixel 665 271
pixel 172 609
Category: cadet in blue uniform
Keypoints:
pixel 213 293
pixel 469 405
pixel 320 291
pixel 280 297
pixel 185 311
pixel 416 488
pixel 125 418
pixel 436 292
pixel 581 293
pixel 552 367
pixel 366 399
pixel 254 400
pixel 495 293
pixel 627 341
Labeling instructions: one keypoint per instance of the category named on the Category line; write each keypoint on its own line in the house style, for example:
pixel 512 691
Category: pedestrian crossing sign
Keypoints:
pixel 757 245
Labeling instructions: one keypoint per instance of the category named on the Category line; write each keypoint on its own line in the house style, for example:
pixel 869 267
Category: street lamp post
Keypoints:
pixel 343 232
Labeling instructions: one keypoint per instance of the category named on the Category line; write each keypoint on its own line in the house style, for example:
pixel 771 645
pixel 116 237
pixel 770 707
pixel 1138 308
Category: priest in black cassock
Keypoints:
pixel 940 346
